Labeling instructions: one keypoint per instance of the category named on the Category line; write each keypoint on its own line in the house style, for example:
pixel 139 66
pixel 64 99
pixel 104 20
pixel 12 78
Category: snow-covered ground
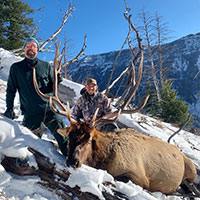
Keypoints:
pixel 14 140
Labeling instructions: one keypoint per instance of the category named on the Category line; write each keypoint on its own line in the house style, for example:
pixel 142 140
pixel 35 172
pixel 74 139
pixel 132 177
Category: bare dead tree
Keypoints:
pixel 65 64
pixel 52 39
pixel 181 127
pixel 65 59
pixel 147 21
pixel 158 28
pixel 63 54
pixel 65 18
pixel 161 32
pixel 116 80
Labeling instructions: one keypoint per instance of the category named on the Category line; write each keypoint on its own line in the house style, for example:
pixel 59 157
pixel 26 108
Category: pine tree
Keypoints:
pixel 15 26
pixel 172 109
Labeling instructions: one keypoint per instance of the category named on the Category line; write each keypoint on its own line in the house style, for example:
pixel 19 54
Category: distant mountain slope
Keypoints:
pixel 181 58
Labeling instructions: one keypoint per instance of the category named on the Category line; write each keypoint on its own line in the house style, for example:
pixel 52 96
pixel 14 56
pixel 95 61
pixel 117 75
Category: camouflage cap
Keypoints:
pixel 91 80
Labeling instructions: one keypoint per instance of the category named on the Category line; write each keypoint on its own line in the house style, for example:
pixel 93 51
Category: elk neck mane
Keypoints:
pixel 105 146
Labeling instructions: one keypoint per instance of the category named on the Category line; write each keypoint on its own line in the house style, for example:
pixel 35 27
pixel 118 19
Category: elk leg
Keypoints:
pixel 135 178
pixel 123 177
pixel 140 179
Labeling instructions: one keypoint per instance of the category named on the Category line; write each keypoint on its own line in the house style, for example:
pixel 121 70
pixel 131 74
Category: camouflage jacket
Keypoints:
pixel 87 105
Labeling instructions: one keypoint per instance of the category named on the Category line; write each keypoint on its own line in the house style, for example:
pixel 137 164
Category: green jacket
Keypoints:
pixel 21 79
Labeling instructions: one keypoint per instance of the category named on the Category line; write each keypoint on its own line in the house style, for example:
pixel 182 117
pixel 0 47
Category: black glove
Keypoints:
pixel 10 114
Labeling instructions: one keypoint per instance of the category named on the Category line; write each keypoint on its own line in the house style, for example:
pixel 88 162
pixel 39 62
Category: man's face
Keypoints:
pixel 91 88
pixel 31 50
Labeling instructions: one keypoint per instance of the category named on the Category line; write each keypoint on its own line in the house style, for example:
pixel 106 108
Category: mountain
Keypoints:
pixel 181 59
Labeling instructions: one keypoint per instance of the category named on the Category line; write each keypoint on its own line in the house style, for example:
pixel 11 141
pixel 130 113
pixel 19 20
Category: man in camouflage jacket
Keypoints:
pixel 90 101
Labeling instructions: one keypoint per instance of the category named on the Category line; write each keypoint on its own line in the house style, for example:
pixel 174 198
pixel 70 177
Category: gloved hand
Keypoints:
pixel 9 113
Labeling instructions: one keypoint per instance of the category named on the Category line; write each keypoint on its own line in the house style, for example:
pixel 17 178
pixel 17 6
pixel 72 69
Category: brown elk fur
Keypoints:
pixel 148 161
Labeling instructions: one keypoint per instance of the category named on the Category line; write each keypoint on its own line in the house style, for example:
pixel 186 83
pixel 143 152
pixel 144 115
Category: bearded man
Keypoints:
pixel 35 109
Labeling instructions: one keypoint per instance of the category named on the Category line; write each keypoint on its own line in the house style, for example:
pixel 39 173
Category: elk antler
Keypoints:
pixel 104 119
pixel 54 99
pixel 108 118
pixel 132 85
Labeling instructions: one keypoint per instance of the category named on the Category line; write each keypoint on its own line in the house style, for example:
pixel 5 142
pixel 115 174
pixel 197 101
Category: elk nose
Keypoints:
pixel 72 163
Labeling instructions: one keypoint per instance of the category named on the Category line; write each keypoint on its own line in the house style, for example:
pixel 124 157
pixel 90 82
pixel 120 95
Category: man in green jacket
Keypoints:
pixel 34 108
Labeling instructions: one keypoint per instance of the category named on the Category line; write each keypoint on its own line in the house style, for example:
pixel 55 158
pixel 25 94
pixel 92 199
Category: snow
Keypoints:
pixel 14 140
pixel 6 60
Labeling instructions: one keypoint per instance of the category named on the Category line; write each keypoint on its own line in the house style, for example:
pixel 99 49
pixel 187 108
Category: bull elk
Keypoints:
pixel 126 154
pixel 147 161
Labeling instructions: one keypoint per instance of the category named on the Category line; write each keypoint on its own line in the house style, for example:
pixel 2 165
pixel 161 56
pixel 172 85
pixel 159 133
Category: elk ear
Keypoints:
pixel 63 131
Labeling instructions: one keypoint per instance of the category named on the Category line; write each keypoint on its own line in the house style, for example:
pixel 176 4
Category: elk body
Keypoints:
pixel 147 161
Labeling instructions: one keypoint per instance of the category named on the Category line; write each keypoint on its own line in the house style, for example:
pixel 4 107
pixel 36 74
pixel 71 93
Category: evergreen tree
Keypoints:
pixel 172 109
pixel 15 26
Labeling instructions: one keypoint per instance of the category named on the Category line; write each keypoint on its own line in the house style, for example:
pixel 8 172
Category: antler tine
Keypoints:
pixel 36 86
pixel 137 109
pixel 92 123
pixel 132 93
pixel 50 98
pixel 63 112
pixel 105 120
pixel 54 99
pixel 60 63
pixel 55 72
pixel 71 120
pixel 108 118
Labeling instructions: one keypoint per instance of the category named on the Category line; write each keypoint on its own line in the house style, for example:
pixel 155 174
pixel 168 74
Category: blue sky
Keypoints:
pixel 104 23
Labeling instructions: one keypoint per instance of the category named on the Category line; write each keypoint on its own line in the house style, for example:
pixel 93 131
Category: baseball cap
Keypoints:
pixel 91 80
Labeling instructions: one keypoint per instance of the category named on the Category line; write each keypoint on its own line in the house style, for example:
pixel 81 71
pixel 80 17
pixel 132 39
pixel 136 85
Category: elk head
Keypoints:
pixel 79 146
pixel 81 139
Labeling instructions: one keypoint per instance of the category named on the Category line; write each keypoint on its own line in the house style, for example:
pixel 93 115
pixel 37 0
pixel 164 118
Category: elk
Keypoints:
pixel 126 154
pixel 147 161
